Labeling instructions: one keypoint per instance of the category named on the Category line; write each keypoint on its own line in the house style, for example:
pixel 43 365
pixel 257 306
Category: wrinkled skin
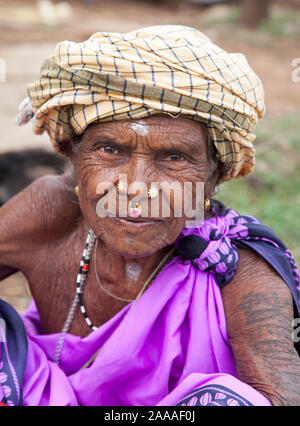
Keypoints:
pixel 168 153
pixel 43 231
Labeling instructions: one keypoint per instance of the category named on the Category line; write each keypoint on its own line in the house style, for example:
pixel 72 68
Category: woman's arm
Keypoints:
pixel 25 222
pixel 38 215
pixel 17 218
pixel 259 312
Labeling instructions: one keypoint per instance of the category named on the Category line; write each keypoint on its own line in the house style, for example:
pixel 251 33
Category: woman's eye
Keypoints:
pixel 109 149
pixel 175 157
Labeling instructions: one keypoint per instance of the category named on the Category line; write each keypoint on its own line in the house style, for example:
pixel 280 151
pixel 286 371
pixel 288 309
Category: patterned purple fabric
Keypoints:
pixel 243 232
pixel 171 347
pixel 214 395
pixel 13 352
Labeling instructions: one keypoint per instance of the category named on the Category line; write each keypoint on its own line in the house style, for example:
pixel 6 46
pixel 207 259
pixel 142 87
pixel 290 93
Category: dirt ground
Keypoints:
pixel 25 41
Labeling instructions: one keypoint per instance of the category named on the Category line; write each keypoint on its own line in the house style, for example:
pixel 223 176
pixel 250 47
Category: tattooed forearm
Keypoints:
pixel 259 312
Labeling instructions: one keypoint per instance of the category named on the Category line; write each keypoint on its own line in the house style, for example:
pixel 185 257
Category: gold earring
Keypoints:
pixel 76 190
pixel 207 204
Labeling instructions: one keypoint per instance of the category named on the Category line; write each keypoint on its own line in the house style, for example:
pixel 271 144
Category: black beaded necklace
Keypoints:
pixel 80 282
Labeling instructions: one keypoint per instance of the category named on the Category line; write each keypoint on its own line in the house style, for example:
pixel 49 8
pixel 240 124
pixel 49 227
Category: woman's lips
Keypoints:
pixel 140 222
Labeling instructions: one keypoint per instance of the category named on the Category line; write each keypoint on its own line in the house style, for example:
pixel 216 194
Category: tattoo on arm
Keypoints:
pixel 259 313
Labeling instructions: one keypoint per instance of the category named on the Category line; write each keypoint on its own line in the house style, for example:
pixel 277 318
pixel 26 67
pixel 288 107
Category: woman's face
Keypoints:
pixel 159 151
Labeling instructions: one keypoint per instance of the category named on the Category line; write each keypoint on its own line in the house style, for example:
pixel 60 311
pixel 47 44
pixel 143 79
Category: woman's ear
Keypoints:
pixel 65 149
pixel 212 184
pixel 69 148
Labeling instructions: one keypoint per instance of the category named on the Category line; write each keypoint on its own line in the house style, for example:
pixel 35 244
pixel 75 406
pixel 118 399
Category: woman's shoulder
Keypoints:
pixel 242 253
pixel 255 292
pixel 43 211
pixel 254 272
pixel 55 201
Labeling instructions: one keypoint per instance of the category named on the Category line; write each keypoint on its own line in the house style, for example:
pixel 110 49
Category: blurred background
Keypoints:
pixel 266 31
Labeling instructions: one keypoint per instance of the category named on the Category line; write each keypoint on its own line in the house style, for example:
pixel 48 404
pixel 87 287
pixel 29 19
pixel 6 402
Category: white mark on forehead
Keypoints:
pixel 140 128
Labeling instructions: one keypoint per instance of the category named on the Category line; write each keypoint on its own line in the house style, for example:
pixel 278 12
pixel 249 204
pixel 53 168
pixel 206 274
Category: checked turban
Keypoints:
pixel 162 69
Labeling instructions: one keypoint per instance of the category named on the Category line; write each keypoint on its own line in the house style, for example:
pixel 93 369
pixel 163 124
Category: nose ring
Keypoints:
pixel 135 210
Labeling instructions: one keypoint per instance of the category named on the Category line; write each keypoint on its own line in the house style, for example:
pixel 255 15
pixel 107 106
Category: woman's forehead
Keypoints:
pixel 151 133
pixel 156 124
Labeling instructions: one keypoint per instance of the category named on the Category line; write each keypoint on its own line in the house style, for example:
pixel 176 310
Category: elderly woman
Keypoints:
pixel 137 308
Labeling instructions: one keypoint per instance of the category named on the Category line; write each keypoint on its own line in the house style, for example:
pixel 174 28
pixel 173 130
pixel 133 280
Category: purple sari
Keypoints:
pixel 171 347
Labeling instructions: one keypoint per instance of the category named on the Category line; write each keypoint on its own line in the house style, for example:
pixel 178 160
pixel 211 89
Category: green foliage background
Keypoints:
pixel 272 192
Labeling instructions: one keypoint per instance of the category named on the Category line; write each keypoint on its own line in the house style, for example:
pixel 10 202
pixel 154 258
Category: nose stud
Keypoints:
pixel 153 192
pixel 122 186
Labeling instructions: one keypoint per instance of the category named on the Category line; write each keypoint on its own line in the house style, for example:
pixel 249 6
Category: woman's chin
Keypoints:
pixel 133 238
pixel 133 249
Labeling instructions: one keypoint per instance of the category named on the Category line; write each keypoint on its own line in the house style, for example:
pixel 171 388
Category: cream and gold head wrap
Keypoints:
pixel 161 69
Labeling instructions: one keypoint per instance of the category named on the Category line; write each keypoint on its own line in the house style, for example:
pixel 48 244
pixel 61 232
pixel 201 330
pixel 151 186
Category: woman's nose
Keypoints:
pixel 139 171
